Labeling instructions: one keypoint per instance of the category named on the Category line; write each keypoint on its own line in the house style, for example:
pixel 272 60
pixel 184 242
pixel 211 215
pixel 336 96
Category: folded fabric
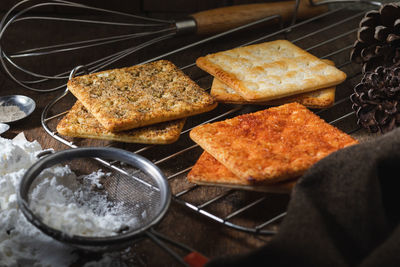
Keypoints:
pixel 343 212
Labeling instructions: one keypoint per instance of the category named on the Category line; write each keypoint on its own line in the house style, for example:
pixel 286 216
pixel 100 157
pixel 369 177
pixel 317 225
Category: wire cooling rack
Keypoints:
pixel 329 35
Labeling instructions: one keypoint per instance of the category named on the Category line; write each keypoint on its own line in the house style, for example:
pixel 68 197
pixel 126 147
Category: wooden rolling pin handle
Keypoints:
pixel 225 18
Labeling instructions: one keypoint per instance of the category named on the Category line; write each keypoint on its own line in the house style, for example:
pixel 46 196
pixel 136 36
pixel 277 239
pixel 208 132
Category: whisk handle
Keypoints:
pixel 225 18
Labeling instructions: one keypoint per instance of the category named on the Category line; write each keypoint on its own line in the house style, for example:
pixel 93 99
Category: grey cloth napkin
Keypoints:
pixel 343 212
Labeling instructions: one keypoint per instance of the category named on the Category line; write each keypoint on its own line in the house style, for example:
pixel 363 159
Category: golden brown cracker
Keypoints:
pixel 80 123
pixel 141 95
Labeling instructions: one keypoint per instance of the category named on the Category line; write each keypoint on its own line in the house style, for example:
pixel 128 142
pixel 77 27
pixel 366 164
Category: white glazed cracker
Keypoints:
pixel 270 70
pixel 321 98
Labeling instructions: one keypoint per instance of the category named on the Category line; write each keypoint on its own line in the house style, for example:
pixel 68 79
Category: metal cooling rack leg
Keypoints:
pixel 324 2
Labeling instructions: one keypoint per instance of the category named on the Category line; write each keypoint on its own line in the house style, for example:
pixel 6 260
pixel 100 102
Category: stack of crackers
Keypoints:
pixel 141 104
pixel 266 150
pixel 272 73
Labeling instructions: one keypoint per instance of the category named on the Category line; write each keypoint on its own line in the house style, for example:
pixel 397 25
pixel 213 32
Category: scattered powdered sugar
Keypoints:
pixel 21 243
pixel 96 177
pixel 10 113
pixel 4 127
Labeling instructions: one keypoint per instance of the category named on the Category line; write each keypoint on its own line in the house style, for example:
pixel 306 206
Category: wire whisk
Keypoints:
pixel 110 35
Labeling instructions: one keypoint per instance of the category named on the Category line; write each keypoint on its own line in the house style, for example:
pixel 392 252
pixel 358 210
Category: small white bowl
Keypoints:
pixel 24 103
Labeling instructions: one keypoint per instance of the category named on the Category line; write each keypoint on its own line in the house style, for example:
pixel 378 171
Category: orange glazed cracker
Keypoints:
pixel 209 171
pixel 271 145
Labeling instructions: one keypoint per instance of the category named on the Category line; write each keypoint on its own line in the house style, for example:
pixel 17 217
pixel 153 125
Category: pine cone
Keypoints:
pixel 378 38
pixel 376 100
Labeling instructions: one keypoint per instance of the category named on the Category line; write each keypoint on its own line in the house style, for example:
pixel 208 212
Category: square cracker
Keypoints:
pixel 127 98
pixel 271 145
pixel 321 98
pixel 270 70
pixel 80 123
pixel 209 171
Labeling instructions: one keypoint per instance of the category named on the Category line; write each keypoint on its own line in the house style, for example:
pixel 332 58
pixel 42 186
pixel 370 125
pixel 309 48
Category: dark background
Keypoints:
pixel 155 6
pixel 180 223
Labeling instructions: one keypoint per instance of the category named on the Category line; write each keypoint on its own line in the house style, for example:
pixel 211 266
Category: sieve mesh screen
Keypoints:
pixel 83 198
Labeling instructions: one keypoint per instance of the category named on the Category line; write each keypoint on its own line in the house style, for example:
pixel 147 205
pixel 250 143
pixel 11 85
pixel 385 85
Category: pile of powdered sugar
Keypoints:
pixel 21 243
pixel 10 113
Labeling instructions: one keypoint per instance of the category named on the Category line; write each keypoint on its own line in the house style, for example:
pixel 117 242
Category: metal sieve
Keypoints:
pixel 132 189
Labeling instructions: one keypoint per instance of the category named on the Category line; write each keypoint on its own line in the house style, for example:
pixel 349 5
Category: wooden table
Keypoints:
pixel 321 37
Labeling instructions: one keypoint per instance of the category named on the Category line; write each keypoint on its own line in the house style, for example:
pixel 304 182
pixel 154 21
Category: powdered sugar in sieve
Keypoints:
pixel 77 210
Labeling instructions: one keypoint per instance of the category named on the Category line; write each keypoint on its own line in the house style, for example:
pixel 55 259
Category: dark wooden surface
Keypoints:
pixel 181 224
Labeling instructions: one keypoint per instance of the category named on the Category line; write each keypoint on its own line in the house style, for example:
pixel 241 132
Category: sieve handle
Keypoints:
pixel 193 259
pixel 226 18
